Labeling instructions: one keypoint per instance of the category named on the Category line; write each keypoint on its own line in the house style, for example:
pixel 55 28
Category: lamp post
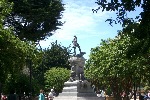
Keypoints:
pixel 29 63
pixel 30 67
pixel 43 67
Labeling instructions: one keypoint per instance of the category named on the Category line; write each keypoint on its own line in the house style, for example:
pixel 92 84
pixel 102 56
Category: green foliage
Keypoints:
pixel 56 55
pixel 125 7
pixel 34 20
pixel 109 65
pixel 13 52
pixel 146 88
pixel 123 61
pixel 14 56
pixel 5 9
pixel 122 8
pixel 55 77
pixel 20 84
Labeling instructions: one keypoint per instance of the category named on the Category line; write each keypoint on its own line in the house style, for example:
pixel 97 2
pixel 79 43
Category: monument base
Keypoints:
pixel 76 90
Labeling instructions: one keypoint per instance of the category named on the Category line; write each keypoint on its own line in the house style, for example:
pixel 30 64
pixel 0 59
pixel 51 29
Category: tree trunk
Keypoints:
pixel 0 89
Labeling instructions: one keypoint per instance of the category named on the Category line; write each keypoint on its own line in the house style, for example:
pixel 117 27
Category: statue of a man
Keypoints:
pixel 75 44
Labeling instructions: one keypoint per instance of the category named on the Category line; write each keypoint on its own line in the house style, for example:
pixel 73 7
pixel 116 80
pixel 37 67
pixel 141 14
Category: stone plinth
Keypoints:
pixel 77 67
pixel 75 91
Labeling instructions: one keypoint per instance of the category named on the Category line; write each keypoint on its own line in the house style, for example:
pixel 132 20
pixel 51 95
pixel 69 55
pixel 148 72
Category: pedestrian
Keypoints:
pixel 148 94
pixel 123 95
pixel 50 95
pixel 3 97
pixel 41 96
pixel 12 95
pixel 98 93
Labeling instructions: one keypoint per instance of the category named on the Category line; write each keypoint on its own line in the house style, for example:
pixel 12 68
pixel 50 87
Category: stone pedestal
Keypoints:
pixel 77 88
pixel 76 91
pixel 77 68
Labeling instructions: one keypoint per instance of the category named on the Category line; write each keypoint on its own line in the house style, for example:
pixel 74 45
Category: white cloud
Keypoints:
pixel 79 18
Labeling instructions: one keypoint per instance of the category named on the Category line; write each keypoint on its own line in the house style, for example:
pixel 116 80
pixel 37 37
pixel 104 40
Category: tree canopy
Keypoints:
pixel 119 63
pixel 139 26
pixel 111 67
pixel 13 51
pixel 56 55
pixel 122 8
pixel 34 20
pixel 55 78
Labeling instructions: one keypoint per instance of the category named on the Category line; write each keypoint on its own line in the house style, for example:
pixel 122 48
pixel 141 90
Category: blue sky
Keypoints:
pixel 89 27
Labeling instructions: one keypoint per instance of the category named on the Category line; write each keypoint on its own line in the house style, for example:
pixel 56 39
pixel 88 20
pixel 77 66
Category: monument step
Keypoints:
pixel 86 94
pixel 77 94
pixel 70 89
pixel 69 84
pixel 78 98
pixel 67 94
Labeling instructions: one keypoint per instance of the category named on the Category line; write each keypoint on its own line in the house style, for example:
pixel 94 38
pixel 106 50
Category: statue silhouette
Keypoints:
pixel 75 44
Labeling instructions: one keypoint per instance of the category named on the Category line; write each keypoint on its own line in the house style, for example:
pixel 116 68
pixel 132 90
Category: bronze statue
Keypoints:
pixel 75 44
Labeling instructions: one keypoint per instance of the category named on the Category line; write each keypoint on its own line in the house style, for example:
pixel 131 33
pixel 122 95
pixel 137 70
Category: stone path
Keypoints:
pixel 77 98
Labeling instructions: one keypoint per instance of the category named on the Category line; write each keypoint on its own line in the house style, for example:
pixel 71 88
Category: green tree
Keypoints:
pixel 110 67
pixel 125 7
pixel 56 55
pixel 137 53
pixel 122 8
pixel 55 77
pixel 4 10
pixel 20 84
pixel 34 20
pixel 13 51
